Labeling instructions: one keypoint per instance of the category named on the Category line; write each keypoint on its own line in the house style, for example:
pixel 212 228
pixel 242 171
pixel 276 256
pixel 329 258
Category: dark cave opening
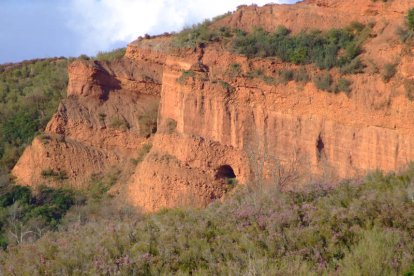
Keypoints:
pixel 225 172
pixel 320 146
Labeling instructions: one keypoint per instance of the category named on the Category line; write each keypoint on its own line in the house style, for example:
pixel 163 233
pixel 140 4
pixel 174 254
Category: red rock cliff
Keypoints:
pixel 205 127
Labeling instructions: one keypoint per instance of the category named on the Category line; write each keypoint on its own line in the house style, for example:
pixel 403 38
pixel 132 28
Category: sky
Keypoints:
pixel 51 28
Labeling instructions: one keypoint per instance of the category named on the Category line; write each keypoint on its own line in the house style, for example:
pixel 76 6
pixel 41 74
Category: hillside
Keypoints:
pixel 261 116
pixel 29 95
pixel 361 228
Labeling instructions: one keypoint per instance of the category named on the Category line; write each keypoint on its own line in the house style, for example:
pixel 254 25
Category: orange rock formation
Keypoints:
pixel 204 128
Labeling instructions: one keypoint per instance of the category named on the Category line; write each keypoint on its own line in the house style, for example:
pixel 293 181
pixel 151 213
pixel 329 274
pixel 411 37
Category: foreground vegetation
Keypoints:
pixel 360 228
pixel 25 216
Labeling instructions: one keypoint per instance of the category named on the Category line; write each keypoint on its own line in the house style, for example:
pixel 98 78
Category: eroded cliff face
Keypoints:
pixel 103 122
pixel 212 126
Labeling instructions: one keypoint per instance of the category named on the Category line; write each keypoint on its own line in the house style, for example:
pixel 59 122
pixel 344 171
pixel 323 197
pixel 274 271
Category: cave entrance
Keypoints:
pixel 320 146
pixel 225 173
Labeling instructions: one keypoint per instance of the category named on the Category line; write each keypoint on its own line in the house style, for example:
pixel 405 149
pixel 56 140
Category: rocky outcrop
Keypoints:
pixel 102 123
pixel 212 126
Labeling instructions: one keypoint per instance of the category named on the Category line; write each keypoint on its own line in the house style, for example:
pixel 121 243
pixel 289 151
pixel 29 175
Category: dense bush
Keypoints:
pixel 360 228
pixel 323 81
pixel 343 85
pixel 29 95
pixel 335 48
pixel 25 216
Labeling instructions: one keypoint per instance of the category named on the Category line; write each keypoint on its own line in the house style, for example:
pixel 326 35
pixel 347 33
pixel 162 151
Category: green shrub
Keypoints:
pixel 255 74
pixel 375 254
pixel 20 127
pixel 15 194
pixel 58 201
pixel 286 75
pixel 389 71
pixel 270 80
pixel 234 70
pixel 170 125
pixel 45 138
pixel 84 57
pixel 226 86
pixel 405 35
pixel 56 175
pixel 410 272
pixel 301 75
pixel 119 123
pixel 355 66
pixel 343 85
pixel 98 187
pixel 144 150
pixel 323 81
pixel 256 44
pixel 185 75
pixel 102 118
pixel 356 27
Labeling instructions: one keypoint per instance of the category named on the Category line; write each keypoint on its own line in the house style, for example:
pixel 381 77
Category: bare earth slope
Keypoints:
pixel 204 128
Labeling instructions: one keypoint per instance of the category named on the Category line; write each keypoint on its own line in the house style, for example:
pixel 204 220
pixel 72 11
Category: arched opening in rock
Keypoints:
pixel 226 173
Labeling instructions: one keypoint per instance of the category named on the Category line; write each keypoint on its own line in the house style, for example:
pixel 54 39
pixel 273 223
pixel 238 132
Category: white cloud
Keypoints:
pixel 104 24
